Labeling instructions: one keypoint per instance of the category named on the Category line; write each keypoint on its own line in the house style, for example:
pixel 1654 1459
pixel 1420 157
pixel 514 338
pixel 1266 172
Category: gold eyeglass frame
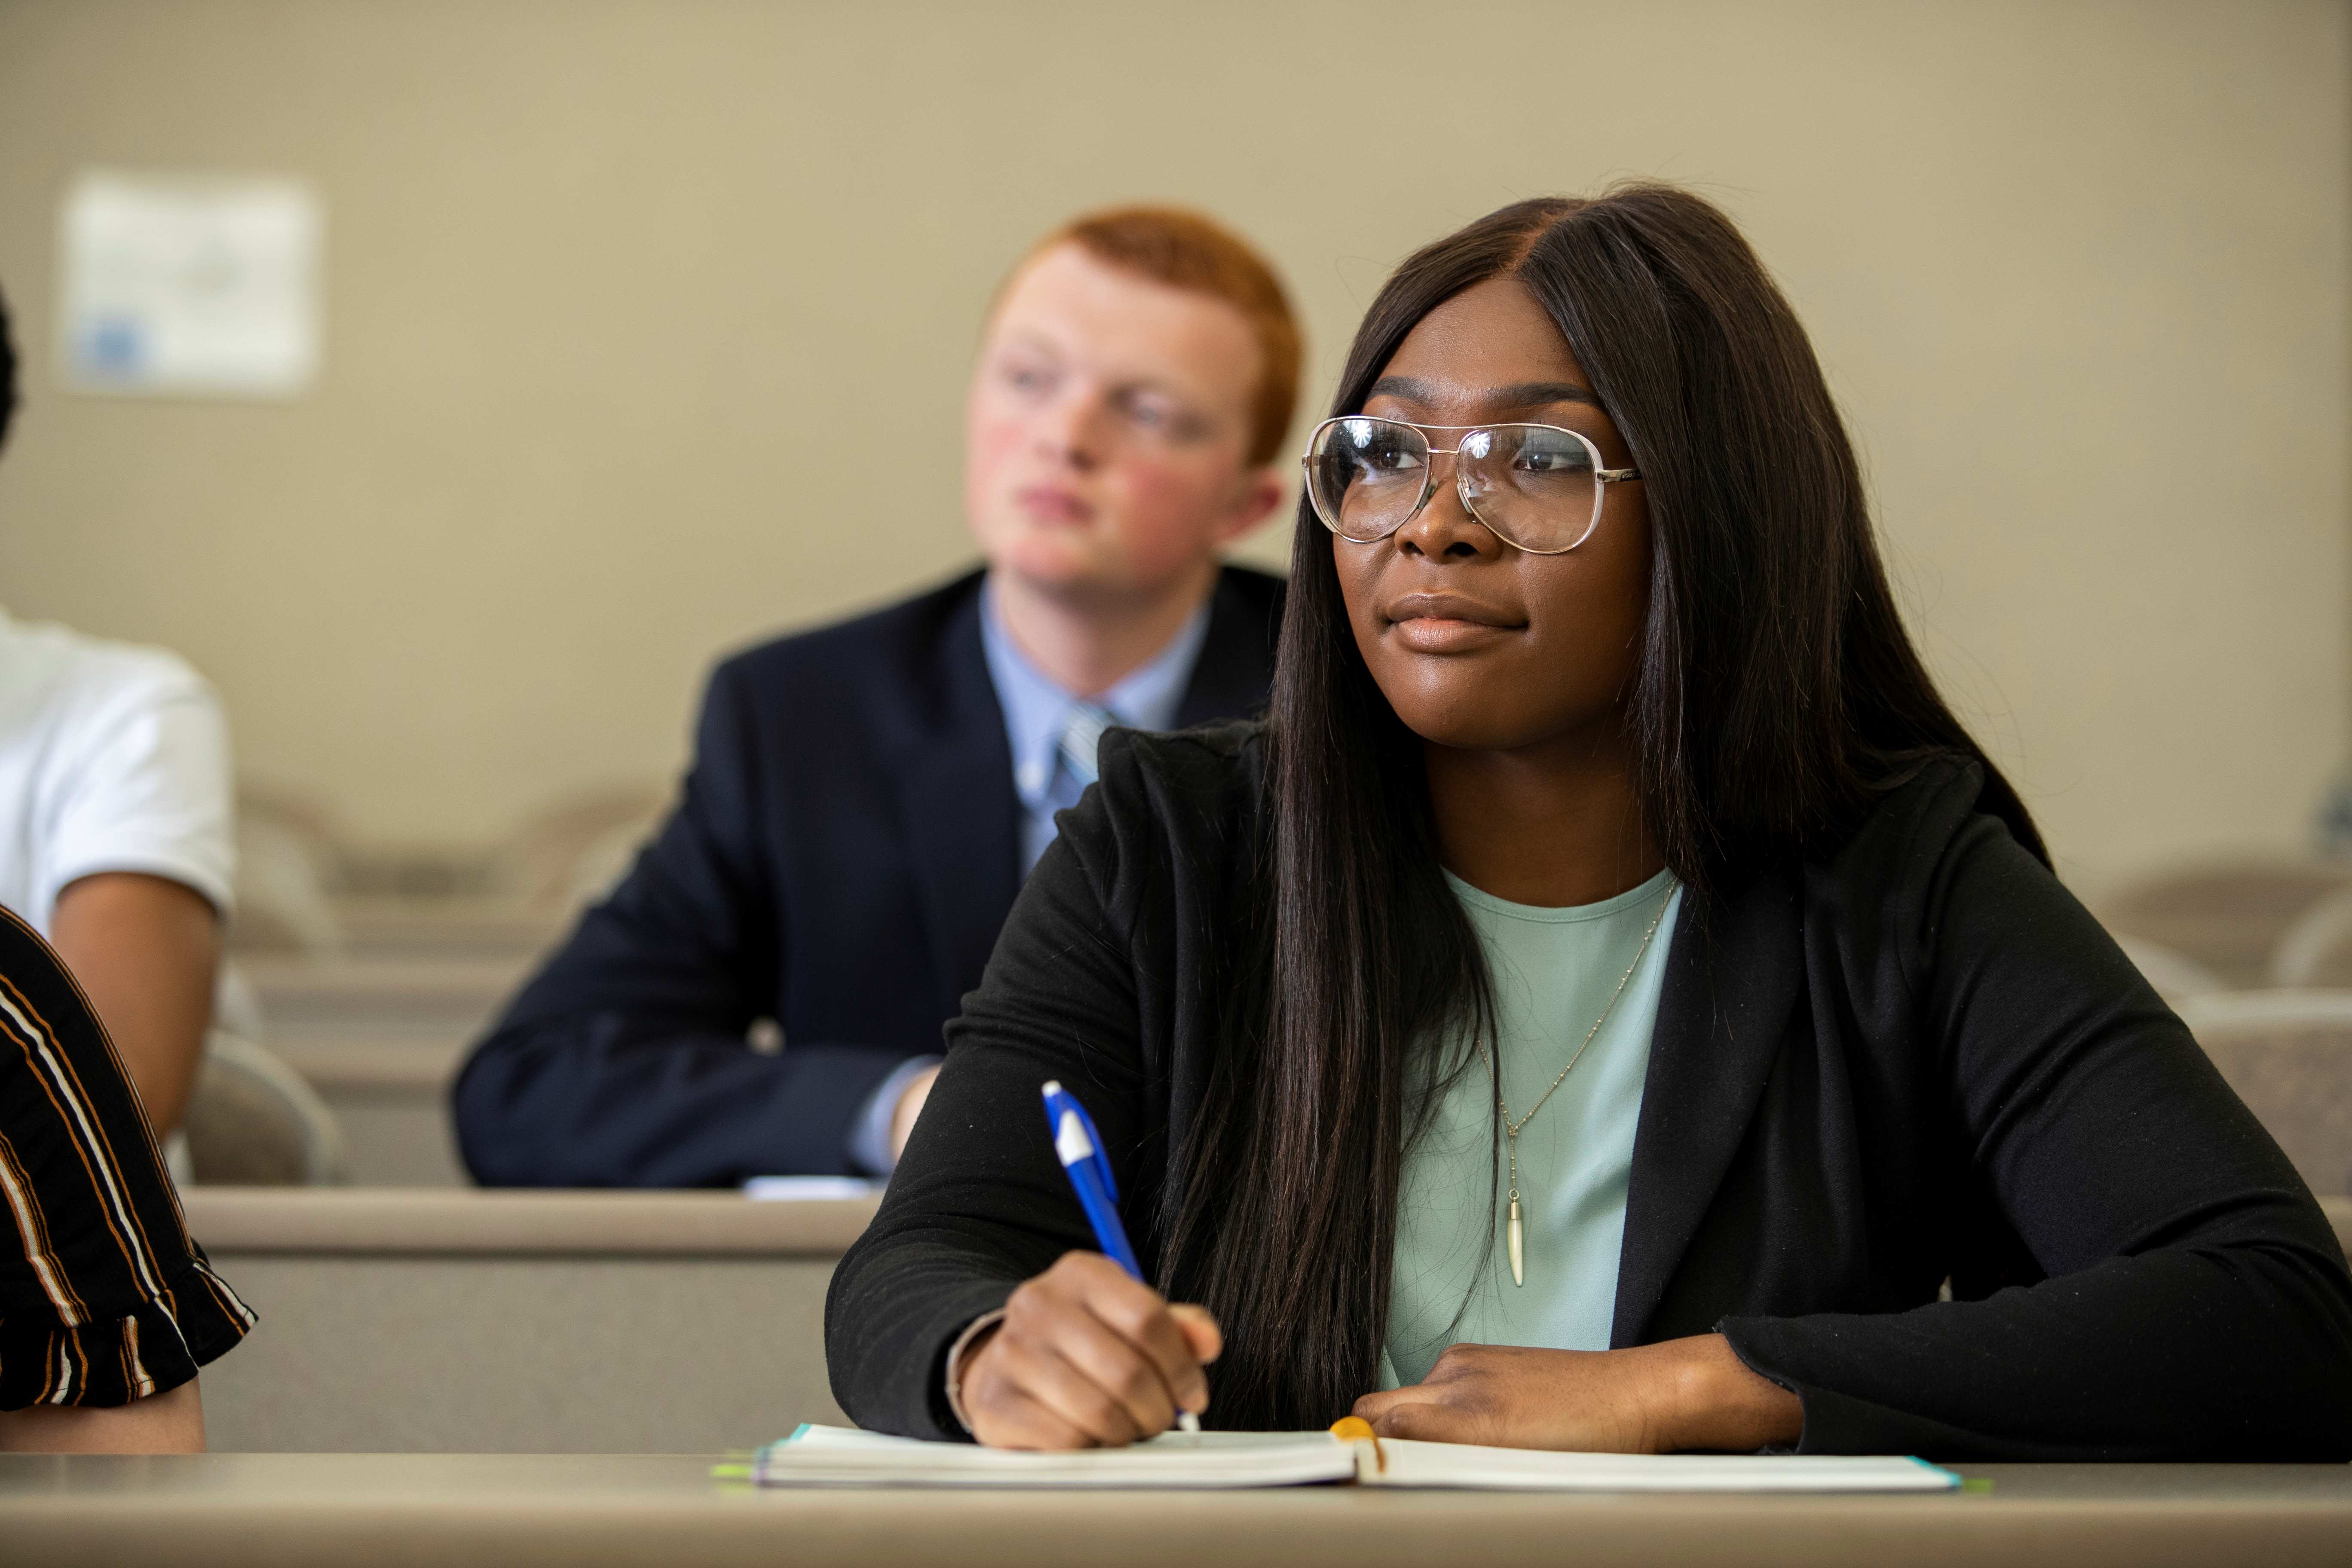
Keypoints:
pixel 1602 477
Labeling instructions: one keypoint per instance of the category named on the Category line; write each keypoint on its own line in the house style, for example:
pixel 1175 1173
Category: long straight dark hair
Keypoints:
pixel 1777 697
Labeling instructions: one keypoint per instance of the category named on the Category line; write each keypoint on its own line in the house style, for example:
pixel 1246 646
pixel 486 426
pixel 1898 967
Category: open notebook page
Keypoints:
pixel 1396 1462
pixel 840 1457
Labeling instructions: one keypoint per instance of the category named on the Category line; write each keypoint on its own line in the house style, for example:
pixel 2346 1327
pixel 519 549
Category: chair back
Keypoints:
pixel 253 1121
pixel 2288 1054
pixel 2315 953
pixel 285 869
pixel 2229 918
pixel 2176 976
pixel 571 854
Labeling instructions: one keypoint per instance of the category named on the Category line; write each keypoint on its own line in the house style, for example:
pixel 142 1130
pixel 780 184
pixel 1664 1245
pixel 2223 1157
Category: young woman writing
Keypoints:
pixel 1610 996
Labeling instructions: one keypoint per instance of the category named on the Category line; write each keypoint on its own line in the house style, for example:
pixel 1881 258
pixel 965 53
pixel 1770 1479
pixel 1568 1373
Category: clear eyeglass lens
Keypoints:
pixel 1534 485
pixel 1366 476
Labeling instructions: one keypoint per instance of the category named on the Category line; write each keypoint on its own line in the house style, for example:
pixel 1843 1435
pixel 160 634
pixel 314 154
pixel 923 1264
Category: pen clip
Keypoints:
pixel 1060 1102
pixel 1102 1155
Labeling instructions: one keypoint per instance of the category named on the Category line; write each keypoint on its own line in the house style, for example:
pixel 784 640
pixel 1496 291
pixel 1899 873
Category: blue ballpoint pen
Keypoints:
pixel 1079 1147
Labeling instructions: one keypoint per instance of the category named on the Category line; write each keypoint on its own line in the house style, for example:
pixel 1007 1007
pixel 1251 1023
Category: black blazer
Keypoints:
pixel 1912 1058
pixel 843 853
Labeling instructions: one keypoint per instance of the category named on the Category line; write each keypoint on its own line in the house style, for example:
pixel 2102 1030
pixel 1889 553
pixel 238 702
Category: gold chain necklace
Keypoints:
pixel 1511 1128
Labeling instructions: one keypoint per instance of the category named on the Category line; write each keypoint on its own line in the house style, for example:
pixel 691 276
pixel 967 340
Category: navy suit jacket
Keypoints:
pixel 844 852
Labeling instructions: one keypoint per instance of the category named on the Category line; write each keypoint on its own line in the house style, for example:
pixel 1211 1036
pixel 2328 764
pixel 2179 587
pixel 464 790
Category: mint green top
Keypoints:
pixel 1553 971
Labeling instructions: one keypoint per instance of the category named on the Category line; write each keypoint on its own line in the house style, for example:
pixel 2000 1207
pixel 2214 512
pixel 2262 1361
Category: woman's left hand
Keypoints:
pixel 1653 1399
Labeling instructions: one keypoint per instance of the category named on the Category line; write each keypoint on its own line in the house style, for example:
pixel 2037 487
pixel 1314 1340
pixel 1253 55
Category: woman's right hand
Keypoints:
pixel 1087 1357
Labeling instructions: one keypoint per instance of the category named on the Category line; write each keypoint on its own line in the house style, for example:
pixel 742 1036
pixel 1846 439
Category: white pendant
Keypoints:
pixel 1518 1259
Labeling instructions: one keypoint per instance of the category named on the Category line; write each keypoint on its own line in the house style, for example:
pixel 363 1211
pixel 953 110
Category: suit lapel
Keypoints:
pixel 952 772
pixel 951 768
pixel 1235 670
pixel 1731 981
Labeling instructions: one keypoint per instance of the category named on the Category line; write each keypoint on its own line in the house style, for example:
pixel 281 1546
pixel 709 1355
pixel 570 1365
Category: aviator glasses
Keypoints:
pixel 1537 488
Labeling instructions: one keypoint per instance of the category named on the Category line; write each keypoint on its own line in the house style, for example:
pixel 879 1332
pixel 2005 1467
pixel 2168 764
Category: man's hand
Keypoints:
pixel 1086 1358
pixel 909 1106
pixel 146 949
pixel 1654 1399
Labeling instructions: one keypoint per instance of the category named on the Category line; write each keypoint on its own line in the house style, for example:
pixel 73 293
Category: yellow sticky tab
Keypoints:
pixel 1356 1430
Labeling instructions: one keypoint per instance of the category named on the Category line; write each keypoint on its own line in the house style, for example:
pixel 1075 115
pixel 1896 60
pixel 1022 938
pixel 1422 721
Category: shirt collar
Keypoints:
pixel 1037 708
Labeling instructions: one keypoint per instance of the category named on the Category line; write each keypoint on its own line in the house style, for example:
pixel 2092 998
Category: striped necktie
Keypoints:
pixel 1080 735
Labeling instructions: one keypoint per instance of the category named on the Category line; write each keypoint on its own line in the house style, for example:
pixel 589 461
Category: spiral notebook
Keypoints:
pixel 842 1457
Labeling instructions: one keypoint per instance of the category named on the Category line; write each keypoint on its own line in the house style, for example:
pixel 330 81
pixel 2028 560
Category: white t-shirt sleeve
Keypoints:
pixel 148 787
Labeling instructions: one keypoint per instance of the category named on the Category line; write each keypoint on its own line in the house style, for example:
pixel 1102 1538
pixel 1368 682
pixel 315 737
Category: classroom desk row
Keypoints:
pixel 461 1320
pixel 518 1331
pixel 360 1510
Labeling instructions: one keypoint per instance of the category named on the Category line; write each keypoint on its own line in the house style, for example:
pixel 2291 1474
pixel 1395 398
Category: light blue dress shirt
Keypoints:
pixel 1036 711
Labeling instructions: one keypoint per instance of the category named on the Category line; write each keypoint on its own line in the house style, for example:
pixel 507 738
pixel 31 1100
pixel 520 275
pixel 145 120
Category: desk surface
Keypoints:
pixel 516 1222
pixel 358 1510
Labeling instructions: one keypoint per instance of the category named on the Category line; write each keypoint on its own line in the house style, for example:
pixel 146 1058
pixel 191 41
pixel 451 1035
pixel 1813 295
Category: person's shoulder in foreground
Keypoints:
pixel 106 1306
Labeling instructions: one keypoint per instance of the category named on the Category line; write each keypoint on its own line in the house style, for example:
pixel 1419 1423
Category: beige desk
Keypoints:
pixel 454 1320
pixel 518 1511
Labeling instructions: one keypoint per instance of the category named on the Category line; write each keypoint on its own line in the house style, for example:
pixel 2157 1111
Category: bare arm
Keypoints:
pixel 146 949
pixel 171 1422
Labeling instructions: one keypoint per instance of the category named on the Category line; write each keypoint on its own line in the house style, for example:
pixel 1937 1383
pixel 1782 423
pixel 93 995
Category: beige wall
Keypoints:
pixel 647 325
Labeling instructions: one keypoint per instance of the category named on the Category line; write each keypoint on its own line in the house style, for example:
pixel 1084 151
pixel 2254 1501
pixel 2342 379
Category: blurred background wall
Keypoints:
pixel 647 325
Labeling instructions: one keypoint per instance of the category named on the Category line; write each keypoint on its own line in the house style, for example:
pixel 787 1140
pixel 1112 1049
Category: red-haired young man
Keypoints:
pixel 866 799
